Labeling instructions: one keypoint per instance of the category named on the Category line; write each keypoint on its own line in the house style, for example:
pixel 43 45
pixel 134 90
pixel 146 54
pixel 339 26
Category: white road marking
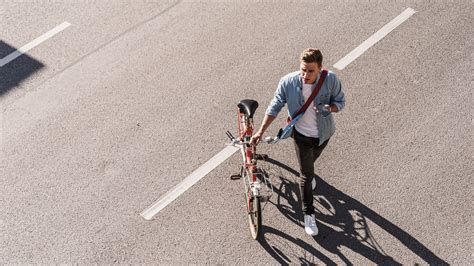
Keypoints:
pixel 188 182
pixel 7 59
pixel 346 60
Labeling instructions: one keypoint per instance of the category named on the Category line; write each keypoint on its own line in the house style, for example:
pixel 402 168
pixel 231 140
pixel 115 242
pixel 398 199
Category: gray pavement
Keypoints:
pixel 105 117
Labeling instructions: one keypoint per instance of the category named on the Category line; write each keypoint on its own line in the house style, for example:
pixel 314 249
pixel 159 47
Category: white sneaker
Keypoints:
pixel 313 183
pixel 310 225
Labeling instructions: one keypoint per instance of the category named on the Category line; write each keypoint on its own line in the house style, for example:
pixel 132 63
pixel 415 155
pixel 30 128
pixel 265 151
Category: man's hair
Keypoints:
pixel 312 55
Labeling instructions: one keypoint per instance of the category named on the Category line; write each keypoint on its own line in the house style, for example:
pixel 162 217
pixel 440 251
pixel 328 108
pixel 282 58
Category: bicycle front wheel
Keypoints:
pixel 255 216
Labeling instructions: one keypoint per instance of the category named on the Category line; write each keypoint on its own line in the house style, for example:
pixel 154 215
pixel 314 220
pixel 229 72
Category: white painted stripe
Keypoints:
pixel 346 60
pixel 7 59
pixel 188 182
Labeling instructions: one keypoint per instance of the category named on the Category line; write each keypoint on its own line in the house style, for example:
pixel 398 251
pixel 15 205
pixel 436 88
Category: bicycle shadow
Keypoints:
pixel 342 222
pixel 283 259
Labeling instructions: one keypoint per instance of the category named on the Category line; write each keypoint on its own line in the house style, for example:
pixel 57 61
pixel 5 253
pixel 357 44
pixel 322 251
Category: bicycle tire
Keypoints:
pixel 255 216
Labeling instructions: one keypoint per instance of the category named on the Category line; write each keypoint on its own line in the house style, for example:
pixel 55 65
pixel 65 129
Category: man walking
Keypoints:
pixel 313 130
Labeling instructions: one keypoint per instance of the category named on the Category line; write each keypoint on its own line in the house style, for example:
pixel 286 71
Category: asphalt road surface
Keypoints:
pixel 104 117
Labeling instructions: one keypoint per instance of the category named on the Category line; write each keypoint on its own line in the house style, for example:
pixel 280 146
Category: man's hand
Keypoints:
pixel 332 108
pixel 326 106
pixel 256 138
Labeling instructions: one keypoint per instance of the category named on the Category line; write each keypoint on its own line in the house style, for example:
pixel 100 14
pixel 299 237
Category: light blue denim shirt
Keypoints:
pixel 289 92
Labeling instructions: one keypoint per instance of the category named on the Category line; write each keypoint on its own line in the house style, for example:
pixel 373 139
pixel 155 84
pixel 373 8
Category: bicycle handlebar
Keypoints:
pixel 234 141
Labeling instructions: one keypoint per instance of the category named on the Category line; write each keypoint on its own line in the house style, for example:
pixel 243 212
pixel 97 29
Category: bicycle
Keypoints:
pixel 257 186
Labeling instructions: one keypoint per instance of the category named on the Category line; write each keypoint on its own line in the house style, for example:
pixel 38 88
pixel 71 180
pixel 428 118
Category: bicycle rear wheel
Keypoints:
pixel 255 215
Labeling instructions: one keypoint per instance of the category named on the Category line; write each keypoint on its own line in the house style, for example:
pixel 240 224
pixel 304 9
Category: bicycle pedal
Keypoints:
pixel 235 177
pixel 261 157
pixel 264 198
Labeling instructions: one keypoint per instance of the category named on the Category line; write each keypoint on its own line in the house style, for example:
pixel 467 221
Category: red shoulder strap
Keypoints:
pixel 315 92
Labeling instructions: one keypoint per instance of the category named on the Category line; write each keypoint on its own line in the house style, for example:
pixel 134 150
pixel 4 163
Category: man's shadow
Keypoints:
pixel 342 221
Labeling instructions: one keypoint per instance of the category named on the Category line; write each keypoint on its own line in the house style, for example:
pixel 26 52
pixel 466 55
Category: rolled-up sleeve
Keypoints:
pixel 278 101
pixel 337 95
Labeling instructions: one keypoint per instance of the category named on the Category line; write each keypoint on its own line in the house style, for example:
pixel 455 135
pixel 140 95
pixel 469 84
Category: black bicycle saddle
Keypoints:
pixel 248 107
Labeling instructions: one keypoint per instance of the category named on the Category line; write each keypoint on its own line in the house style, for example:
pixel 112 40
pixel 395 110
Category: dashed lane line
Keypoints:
pixel 188 182
pixel 359 50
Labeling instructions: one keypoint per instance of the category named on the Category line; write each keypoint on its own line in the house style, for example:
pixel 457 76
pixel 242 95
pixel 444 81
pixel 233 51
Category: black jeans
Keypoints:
pixel 307 151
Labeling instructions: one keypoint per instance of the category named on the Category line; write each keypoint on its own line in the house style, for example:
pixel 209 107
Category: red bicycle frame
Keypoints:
pixel 245 134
